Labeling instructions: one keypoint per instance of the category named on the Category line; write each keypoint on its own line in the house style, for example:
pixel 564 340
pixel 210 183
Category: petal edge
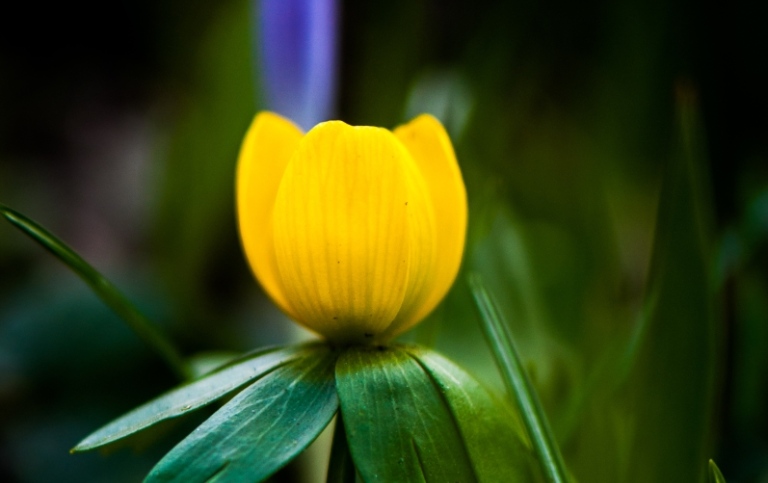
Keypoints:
pixel 430 147
pixel 266 150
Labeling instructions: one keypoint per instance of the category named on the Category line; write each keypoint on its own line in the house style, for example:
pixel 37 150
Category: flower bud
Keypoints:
pixel 355 232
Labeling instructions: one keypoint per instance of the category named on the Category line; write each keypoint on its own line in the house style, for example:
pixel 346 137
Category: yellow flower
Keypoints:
pixel 356 232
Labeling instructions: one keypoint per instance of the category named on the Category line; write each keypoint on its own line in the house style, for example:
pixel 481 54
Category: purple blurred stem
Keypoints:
pixel 296 45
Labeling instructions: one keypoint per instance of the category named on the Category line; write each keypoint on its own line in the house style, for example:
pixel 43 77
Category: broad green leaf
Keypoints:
pixel 399 426
pixel 102 287
pixel 192 396
pixel 261 429
pixel 520 387
pixel 714 473
pixel 670 387
pixel 492 432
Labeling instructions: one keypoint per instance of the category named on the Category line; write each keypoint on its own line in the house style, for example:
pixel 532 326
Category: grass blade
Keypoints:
pixel 103 288
pixel 518 384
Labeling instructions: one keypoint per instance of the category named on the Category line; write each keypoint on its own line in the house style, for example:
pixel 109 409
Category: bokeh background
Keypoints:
pixel 119 131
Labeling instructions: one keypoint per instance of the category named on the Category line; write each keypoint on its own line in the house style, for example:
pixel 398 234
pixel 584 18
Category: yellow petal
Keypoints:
pixel 341 230
pixel 423 242
pixel 268 146
pixel 431 149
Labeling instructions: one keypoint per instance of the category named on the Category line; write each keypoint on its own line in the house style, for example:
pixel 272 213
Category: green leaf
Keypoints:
pixel 670 387
pixel 103 288
pixel 714 473
pixel 519 386
pixel 398 425
pixel 192 396
pixel 492 432
pixel 261 429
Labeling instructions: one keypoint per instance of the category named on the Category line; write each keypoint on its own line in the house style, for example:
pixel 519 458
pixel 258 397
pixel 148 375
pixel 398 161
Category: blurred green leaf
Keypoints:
pixel 670 386
pixel 195 211
pixel 519 386
pixel 102 287
pixel 399 427
pixel 492 432
pixel 715 476
pixel 189 397
pixel 261 429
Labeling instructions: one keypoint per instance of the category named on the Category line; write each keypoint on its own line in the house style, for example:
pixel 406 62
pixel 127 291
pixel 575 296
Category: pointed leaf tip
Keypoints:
pixel 189 397
pixel 261 429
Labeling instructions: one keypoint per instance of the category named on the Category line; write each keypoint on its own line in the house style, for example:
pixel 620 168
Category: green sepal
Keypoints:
pixel 182 400
pixel 492 431
pixel 398 425
pixel 412 415
pixel 261 429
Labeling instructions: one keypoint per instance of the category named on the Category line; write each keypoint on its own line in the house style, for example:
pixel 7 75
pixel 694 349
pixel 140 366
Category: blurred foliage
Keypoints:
pixel 676 352
pixel 637 291
pixel 196 192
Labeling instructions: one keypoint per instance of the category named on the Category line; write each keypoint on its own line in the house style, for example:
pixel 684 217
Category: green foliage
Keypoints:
pixel 491 429
pixel 194 395
pixel 391 407
pixel 412 416
pixel 259 430
pixel 409 414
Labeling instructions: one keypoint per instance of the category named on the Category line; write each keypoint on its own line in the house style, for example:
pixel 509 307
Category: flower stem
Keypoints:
pixel 518 384
pixel 103 288
pixel 341 468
